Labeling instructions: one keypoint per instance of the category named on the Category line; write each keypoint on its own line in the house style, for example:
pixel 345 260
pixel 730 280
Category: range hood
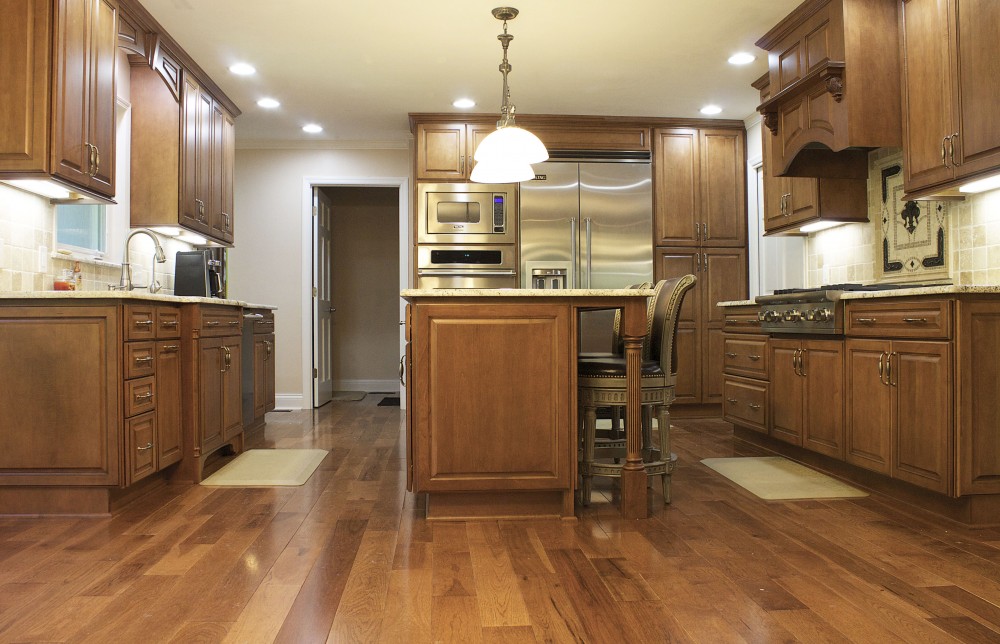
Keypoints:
pixel 833 71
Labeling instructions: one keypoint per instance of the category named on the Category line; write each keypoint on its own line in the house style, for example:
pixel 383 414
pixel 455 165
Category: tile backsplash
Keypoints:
pixel 27 246
pixel 853 252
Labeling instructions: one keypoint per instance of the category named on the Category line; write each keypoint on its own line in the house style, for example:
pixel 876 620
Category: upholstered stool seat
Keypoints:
pixel 601 382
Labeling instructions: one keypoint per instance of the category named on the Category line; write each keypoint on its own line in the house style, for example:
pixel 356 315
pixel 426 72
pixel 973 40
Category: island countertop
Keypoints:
pixel 412 293
pixel 127 295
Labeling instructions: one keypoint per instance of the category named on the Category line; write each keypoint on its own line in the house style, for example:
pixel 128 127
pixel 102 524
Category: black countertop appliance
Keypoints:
pixel 198 273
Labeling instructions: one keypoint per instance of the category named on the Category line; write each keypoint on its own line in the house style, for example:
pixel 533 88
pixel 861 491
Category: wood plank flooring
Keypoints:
pixel 348 558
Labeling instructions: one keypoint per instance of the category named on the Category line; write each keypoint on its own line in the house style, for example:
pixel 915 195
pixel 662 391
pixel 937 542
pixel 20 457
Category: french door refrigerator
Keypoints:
pixel 587 225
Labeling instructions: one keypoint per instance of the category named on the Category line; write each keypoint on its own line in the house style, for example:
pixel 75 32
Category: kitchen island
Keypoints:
pixel 491 389
pixel 105 394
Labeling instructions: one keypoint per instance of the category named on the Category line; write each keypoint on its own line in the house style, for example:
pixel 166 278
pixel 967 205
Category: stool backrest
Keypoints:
pixel 617 341
pixel 662 323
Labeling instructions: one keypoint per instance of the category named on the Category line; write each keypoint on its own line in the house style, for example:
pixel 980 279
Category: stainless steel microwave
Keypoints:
pixel 467 213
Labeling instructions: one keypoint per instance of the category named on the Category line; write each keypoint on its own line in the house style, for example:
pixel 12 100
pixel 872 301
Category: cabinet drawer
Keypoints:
pixel 921 319
pixel 140 359
pixel 742 321
pixel 262 324
pixel 745 403
pixel 745 356
pixel 140 433
pixel 219 322
pixel 139 396
pixel 140 322
pixel 168 322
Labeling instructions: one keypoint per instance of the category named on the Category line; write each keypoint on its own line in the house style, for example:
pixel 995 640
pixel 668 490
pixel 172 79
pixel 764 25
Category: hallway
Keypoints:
pixel 348 558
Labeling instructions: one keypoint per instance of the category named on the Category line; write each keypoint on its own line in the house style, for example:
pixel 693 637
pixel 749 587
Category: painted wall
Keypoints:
pixel 365 288
pixel 266 265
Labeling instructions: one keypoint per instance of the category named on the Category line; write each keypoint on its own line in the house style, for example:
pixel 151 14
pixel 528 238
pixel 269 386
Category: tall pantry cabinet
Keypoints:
pixel 700 227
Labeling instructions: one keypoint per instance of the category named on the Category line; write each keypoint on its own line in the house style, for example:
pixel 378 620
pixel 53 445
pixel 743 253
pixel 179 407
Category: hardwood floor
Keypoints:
pixel 348 558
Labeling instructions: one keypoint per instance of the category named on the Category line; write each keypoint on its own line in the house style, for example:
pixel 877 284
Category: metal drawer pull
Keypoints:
pixel 915 320
pixel 253 316
pixel 730 355
pixel 212 323
pixel 141 397
pixel 142 359
pixel 143 449
pixel 888 375
pixel 754 406
pixel 168 323
pixel 144 323
pixel 171 348
pixel 881 368
pixel 865 320
pixel 802 369
pixel 234 323
pixel 728 322
pixel 731 401
pixel 402 370
pixel 754 358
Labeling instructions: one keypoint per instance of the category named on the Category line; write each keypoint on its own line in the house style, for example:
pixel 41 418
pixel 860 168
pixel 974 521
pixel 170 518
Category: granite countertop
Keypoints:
pixel 127 295
pixel 944 289
pixel 526 292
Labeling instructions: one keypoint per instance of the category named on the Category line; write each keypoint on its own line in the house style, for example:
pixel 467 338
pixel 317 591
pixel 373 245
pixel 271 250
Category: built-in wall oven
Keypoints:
pixel 466 213
pixel 457 266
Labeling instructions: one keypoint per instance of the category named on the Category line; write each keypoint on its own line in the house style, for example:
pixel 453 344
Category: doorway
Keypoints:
pixel 353 272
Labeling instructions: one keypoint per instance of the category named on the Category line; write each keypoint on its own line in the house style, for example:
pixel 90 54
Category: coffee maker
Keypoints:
pixel 198 273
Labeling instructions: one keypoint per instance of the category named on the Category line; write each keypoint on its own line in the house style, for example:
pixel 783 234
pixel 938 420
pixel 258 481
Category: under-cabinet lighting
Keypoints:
pixel 982 185
pixel 41 187
pixel 464 103
pixel 711 109
pixel 742 58
pixel 312 128
pixel 242 69
pixel 167 231
pixel 191 238
pixel 820 225
pixel 268 103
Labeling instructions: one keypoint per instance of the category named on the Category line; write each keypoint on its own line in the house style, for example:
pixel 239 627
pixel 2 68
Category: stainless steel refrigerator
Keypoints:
pixel 587 225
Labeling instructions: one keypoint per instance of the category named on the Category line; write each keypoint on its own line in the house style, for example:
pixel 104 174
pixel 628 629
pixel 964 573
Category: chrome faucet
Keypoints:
pixel 125 283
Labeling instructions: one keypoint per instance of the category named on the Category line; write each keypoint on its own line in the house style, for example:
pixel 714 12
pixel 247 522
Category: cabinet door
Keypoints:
pixel 259 377
pixel 228 169
pixel 802 202
pixel 210 366
pixel 216 221
pixel 101 118
pixel 441 151
pixel 723 278
pixel 474 135
pixel 203 159
pixel 786 392
pixel 823 402
pixel 232 389
pixel 723 188
pixel 977 84
pixel 927 116
pixel 774 188
pixel 140 437
pixel 677 197
pixel 168 402
pixel 868 404
pixel 71 153
pixel 922 438
pixel 712 381
pixel 192 211
pixel 406 374
pixel 24 121
pixel 673 262
pixel 269 375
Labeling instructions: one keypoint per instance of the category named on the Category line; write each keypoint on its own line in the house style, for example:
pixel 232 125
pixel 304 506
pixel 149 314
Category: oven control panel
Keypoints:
pixel 797 317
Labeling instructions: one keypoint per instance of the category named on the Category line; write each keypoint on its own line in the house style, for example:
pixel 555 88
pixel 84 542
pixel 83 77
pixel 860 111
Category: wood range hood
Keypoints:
pixel 834 87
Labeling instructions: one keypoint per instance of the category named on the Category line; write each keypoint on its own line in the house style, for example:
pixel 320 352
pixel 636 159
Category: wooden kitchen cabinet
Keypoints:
pixel 900 410
pixel 950 135
pixel 444 151
pixel 746 369
pixel 722 277
pixel 59 107
pixel 207 159
pixel 263 372
pixel 806 388
pixel 833 69
pixel 699 187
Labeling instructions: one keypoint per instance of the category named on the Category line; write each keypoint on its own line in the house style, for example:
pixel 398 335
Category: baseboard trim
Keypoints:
pixel 366 385
pixel 290 401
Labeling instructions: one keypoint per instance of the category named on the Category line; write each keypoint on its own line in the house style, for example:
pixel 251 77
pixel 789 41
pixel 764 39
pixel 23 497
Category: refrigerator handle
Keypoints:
pixel 590 263
pixel 573 246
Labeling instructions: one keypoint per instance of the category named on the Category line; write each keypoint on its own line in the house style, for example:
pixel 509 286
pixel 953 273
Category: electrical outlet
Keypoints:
pixel 43 259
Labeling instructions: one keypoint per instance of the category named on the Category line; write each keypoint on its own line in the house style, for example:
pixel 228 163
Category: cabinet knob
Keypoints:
pixel 754 406
pixel 730 355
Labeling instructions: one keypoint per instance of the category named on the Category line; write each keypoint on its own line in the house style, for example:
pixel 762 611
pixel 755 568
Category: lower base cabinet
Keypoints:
pixel 807 390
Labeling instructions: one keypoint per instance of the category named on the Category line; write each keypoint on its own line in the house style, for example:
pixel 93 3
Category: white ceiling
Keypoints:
pixel 357 68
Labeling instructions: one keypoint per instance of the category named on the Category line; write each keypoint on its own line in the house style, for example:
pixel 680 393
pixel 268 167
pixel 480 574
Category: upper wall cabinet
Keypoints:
pixel 444 150
pixel 700 187
pixel 951 82
pixel 59 98
pixel 833 67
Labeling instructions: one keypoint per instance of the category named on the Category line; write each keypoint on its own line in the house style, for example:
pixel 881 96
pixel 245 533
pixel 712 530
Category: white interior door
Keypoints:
pixel 322 299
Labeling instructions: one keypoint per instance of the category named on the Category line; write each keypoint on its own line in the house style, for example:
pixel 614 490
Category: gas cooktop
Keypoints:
pixel 850 287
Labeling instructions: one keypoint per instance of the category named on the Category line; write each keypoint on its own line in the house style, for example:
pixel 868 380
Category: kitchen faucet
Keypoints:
pixel 125 283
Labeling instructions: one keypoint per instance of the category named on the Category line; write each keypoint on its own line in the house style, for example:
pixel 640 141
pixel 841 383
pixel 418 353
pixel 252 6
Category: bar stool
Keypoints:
pixel 601 382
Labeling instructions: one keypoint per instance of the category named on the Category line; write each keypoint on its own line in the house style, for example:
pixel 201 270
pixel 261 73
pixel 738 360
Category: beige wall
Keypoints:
pixel 365 282
pixel 266 265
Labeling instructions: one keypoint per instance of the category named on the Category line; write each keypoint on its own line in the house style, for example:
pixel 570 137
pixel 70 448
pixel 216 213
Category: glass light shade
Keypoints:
pixel 511 143
pixel 490 171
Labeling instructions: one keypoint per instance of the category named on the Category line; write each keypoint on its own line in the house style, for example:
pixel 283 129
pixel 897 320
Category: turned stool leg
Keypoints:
pixel 589 438
pixel 663 420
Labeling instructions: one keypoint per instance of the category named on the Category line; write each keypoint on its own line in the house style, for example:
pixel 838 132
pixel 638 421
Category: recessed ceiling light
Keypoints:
pixel 711 109
pixel 464 103
pixel 312 128
pixel 742 58
pixel 268 103
pixel 242 69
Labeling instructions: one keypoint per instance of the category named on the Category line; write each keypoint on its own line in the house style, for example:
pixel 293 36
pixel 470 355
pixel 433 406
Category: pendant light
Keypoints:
pixel 506 155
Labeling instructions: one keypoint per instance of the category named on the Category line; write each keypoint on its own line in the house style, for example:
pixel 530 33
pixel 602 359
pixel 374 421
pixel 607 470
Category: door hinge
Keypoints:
pixel 315 372
pixel 315 211
pixel 315 291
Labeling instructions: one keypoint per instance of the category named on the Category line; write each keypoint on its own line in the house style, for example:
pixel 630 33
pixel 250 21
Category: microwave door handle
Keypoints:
pixel 461 271
pixel 573 248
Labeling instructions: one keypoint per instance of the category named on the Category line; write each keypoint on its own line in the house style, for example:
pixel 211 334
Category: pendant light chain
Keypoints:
pixel 506 107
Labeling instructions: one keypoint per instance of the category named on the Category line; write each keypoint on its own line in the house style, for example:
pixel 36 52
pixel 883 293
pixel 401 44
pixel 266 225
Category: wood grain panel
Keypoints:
pixel 869 405
pixel 977 77
pixel 979 413
pixel 156 147
pixel 168 403
pixel 677 195
pixel 440 151
pixel 25 46
pixel 922 440
pixel 823 402
pixel 723 187
pixel 786 392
